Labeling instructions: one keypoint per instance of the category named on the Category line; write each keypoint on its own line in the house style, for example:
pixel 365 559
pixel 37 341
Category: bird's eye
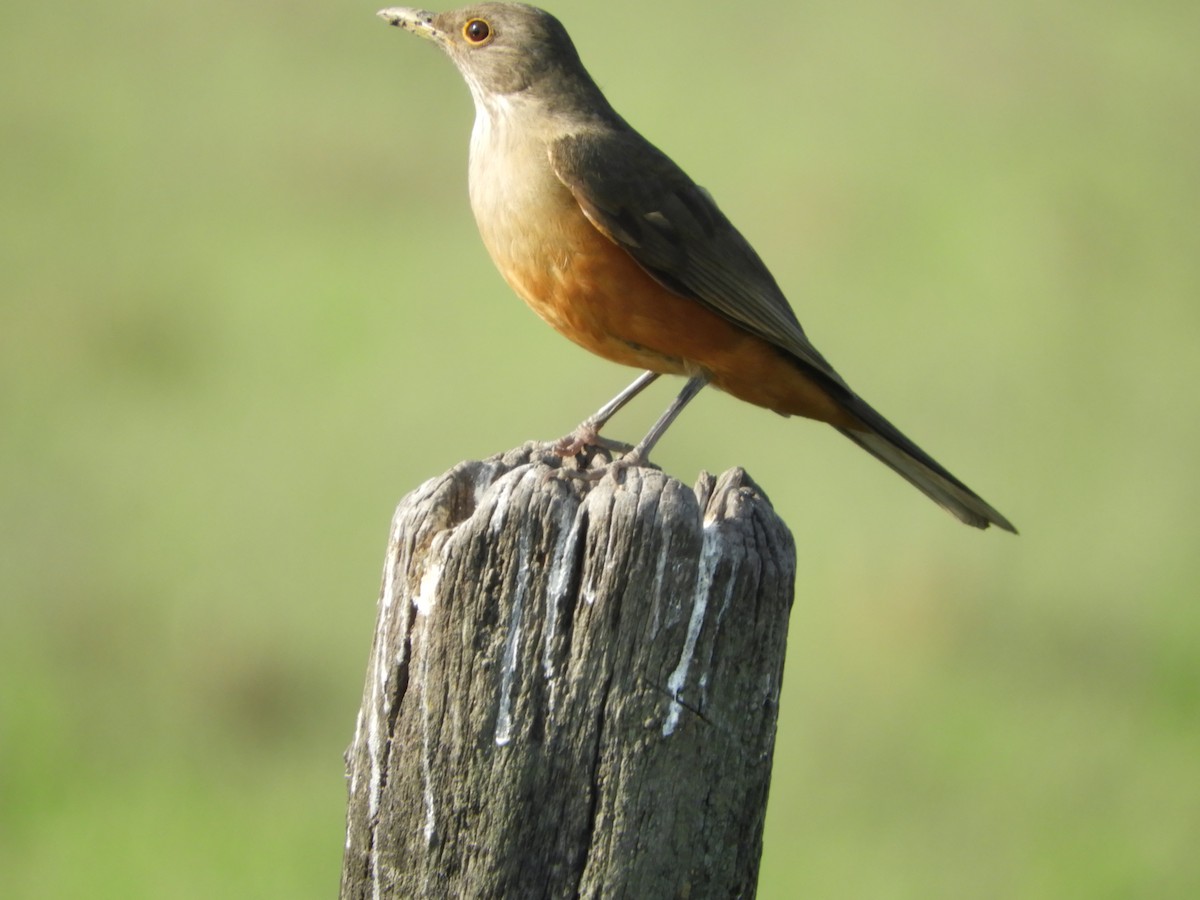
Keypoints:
pixel 477 32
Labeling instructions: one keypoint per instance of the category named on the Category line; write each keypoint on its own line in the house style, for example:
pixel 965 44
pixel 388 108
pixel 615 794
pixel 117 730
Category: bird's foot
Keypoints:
pixel 595 466
pixel 583 437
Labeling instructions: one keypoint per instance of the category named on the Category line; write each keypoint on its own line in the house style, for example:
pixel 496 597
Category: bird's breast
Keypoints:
pixel 532 227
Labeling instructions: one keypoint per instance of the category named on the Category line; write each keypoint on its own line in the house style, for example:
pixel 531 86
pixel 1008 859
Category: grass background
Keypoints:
pixel 244 310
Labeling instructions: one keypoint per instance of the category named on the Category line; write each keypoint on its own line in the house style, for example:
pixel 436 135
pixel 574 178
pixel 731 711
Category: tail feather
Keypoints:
pixel 887 444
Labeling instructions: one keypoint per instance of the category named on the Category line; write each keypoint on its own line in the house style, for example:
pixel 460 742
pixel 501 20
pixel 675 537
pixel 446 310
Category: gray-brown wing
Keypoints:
pixel 640 199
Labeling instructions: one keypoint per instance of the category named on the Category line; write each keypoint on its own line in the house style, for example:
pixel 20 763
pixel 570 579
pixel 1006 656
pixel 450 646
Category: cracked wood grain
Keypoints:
pixel 573 687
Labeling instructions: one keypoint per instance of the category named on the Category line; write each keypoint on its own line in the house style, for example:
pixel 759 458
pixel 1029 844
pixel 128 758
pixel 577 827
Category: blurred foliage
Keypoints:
pixel 243 309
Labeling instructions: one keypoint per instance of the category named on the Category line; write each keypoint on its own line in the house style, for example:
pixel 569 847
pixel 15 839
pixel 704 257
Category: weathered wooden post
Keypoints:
pixel 573 687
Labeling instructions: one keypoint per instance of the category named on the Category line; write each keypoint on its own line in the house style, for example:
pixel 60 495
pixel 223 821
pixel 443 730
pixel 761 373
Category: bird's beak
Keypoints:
pixel 418 21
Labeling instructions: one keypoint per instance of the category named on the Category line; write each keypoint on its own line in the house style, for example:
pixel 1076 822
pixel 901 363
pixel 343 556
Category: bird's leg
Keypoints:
pixel 641 453
pixel 588 431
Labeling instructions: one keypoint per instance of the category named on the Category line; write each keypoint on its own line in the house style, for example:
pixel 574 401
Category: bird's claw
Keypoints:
pixel 586 436
pixel 574 443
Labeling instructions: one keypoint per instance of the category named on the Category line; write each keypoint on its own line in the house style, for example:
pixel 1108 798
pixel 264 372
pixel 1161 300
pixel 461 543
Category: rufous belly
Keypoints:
pixel 594 293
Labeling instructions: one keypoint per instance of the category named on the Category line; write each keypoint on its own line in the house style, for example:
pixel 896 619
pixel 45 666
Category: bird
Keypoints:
pixel 617 248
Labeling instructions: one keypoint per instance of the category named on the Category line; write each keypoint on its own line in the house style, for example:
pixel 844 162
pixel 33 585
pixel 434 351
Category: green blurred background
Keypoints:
pixel 245 309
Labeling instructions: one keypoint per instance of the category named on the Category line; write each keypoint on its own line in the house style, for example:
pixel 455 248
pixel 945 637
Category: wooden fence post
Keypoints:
pixel 573 687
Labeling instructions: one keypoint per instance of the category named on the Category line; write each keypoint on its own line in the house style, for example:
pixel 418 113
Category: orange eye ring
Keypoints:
pixel 477 32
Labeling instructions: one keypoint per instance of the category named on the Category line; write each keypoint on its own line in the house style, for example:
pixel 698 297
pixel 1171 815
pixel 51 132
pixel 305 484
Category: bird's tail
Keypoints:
pixel 885 442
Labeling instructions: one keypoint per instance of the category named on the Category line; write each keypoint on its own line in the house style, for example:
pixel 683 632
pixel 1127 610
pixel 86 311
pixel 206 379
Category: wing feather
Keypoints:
pixel 641 200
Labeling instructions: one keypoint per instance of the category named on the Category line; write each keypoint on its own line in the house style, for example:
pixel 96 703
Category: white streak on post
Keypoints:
pixel 509 670
pixel 709 557
pixel 512 641
pixel 562 566
pixel 504 488
pixel 358 737
pixel 426 750
pixel 427 590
